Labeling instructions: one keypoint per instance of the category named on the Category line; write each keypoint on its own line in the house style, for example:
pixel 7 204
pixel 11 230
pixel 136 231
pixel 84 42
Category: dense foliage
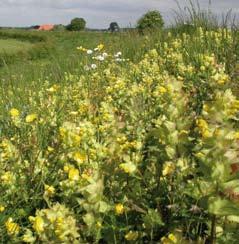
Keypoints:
pixel 137 152
pixel 114 27
pixel 150 21
pixel 77 24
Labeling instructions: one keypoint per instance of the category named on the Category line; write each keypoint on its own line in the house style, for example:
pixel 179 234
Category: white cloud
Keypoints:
pixel 98 13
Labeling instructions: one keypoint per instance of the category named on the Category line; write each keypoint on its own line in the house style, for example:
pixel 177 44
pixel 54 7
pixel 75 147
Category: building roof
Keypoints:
pixel 46 27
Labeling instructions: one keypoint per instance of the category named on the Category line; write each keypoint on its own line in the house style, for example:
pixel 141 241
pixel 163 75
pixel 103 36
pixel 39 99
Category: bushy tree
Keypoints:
pixel 77 24
pixel 114 27
pixel 150 21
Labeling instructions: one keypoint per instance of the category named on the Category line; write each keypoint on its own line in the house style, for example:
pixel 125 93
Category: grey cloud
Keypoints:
pixel 98 13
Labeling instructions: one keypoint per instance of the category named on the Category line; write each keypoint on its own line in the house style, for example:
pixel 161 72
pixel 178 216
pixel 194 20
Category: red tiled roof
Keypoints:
pixel 46 27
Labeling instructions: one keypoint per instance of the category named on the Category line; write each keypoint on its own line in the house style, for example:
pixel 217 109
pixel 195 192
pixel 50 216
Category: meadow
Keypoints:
pixel 120 137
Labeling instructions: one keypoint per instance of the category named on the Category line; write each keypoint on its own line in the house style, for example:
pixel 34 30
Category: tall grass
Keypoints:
pixel 192 16
pixel 40 46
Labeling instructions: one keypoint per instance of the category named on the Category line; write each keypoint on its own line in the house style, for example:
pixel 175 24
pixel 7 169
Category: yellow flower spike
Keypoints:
pixel 203 127
pixel 119 209
pixel 31 219
pixel 49 191
pixel 86 176
pixel 14 112
pixel 162 90
pixel 78 157
pixel 66 168
pixel 98 224
pixel 2 208
pixel 52 89
pixel 38 224
pixel 73 174
pixel 206 134
pixel 74 113
pixel 12 228
pixel 28 237
pixel 128 168
pixel 50 149
pixel 7 177
pixel 81 48
pixel 100 47
pixel 205 107
pixel 236 136
pixel 62 131
pixel 31 118
pixel 172 238
pixel 132 236
pixel 168 168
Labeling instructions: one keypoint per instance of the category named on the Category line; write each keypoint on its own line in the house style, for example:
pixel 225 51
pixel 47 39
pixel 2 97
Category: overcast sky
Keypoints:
pixel 97 13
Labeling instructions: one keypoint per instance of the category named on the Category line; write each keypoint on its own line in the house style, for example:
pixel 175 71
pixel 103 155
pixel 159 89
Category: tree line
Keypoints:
pixel 150 20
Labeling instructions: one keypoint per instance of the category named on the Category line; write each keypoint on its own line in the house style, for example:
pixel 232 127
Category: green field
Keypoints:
pixel 119 137
pixel 13 46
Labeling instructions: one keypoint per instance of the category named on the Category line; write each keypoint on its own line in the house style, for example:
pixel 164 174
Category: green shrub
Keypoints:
pixel 150 21
pixel 77 24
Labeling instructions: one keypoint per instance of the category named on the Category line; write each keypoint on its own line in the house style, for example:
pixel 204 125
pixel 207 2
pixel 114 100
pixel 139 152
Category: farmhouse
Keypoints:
pixel 47 27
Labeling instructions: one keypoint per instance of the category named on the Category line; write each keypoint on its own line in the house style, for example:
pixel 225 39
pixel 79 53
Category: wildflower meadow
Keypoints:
pixel 125 141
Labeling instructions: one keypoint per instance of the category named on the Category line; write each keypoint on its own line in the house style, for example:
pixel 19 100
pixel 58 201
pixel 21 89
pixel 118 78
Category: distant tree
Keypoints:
pixel 150 21
pixel 114 27
pixel 59 28
pixel 77 24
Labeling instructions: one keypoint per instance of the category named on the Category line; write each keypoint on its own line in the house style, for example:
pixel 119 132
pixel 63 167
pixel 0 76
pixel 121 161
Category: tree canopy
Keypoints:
pixel 77 24
pixel 114 27
pixel 150 21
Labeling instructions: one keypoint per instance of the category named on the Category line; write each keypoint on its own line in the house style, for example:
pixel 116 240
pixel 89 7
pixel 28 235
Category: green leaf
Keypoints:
pixel 222 207
pixel 233 218
pixel 103 207
pixel 89 219
pixel 152 219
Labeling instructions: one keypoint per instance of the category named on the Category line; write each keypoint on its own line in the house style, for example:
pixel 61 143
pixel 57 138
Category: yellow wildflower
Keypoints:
pixel 52 89
pixel 172 238
pixel 38 223
pixel 119 209
pixel 203 127
pixel 132 235
pixel 168 168
pixel 28 237
pixel 66 168
pixel 162 89
pixel 236 135
pixel 14 112
pixel 50 149
pixel 98 224
pixel 86 176
pixel 78 157
pixel 49 191
pixel 81 48
pixel 128 167
pixel 12 228
pixel 7 177
pixel 2 208
pixel 73 174
pixel 31 117
pixel 100 47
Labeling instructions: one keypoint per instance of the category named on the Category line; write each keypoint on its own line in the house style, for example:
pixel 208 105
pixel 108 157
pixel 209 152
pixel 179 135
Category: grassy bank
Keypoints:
pixel 21 46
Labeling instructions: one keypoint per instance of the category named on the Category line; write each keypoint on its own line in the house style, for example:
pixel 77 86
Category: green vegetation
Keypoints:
pixel 120 137
pixel 77 24
pixel 12 46
pixel 24 46
pixel 151 21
